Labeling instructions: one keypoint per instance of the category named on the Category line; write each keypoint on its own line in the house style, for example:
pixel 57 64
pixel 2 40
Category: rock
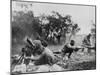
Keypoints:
pixel 56 67
pixel 47 68
pixel 20 68
pixel 31 67
pixel 43 68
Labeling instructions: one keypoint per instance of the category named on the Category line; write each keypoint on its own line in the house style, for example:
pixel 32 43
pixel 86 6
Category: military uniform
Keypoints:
pixel 46 57
pixel 42 54
pixel 69 48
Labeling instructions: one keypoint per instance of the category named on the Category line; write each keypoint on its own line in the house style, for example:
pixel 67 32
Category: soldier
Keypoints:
pixel 69 48
pixel 87 43
pixel 26 55
pixel 86 40
pixel 42 54
pixel 23 60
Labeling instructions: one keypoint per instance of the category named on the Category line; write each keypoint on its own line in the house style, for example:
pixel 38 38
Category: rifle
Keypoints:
pixel 89 47
pixel 57 52
pixel 78 48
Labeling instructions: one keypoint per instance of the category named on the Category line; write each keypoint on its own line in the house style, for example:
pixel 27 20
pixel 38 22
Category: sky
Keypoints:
pixel 84 16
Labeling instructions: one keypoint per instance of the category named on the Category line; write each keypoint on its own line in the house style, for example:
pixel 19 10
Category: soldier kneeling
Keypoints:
pixel 69 48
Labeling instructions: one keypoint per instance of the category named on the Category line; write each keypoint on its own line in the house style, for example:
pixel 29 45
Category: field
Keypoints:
pixel 78 61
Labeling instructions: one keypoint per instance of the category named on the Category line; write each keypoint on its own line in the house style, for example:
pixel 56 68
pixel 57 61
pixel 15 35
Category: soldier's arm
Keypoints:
pixel 73 47
pixel 79 47
pixel 37 57
pixel 33 58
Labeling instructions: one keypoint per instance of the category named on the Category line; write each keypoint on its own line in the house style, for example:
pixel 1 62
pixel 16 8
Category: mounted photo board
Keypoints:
pixel 52 37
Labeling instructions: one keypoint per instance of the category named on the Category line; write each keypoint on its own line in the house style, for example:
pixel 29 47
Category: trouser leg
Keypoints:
pixel 69 54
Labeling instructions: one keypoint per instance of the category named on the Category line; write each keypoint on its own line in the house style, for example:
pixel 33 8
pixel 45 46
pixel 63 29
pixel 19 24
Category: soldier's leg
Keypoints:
pixel 69 54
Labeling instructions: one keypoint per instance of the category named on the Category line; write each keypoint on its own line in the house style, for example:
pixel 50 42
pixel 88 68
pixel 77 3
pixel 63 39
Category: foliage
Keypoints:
pixel 49 27
pixel 56 24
